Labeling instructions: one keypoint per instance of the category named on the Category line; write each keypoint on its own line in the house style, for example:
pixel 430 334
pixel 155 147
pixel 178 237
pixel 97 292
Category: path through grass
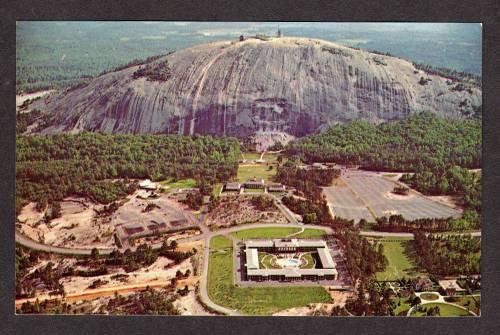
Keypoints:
pixel 399 264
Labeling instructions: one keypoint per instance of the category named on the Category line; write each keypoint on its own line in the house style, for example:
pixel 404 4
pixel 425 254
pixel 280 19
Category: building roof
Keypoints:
pixel 147 184
pixel 252 258
pixel 143 194
pixel 291 273
pixel 285 243
pixel 276 186
pixel 233 186
pixel 291 243
pixel 255 182
pixel 326 258
pixel 259 243
pixel 450 284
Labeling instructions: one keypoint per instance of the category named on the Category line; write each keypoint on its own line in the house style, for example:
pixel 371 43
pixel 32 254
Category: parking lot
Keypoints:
pixel 367 195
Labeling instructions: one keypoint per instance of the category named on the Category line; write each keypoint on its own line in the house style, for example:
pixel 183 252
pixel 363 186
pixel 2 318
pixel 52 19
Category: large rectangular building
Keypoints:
pixel 325 269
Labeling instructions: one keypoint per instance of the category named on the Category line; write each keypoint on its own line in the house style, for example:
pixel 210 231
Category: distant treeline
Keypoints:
pixel 420 142
pixel 52 56
pixel 454 75
pixel 98 166
pixel 397 223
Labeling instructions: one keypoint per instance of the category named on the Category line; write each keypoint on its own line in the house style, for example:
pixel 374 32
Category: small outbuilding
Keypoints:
pixel 422 284
pixel 450 286
pixel 147 184
pixel 276 187
pixel 232 187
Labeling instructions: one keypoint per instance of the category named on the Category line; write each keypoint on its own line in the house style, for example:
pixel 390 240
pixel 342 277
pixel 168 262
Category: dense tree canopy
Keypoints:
pixel 450 180
pixel 448 255
pixel 49 168
pixel 421 142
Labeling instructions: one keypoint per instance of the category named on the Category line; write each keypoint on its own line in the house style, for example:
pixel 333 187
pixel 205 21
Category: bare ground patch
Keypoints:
pixel 236 210
pixel 78 225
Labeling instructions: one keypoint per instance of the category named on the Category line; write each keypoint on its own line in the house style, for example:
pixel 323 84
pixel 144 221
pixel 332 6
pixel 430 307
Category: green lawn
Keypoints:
pixel 445 310
pixel 277 232
pixel 216 190
pixel 183 183
pixel 311 233
pixel 429 296
pixel 310 261
pixel 250 156
pixel 252 300
pixel 472 303
pixel 399 264
pixel 259 171
pixel 270 157
pixel 265 261
pixel 403 306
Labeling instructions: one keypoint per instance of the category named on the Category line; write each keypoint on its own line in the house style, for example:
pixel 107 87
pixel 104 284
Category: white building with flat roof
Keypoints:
pixel 325 268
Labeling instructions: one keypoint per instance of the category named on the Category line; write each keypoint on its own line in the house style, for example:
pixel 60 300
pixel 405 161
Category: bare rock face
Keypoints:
pixel 292 85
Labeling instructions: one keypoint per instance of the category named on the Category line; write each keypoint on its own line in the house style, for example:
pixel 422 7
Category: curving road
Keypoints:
pixel 29 243
pixel 205 235
pixel 440 300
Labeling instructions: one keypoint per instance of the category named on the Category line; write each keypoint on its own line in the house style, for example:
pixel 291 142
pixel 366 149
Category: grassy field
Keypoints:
pixel 250 156
pixel 402 306
pixel 311 233
pixel 183 183
pixel 270 157
pixel 259 171
pixel 399 264
pixel 467 302
pixel 445 310
pixel 252 300
pixel 277 232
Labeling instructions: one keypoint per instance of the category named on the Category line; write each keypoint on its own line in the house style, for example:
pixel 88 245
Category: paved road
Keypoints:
pixel 27 242
pixel 288 214
pixel 440 300
pixel 389 234
pixel 206 235
pixel 204 285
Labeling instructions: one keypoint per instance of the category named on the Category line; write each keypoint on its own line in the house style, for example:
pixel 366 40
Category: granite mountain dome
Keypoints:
pixel 292 85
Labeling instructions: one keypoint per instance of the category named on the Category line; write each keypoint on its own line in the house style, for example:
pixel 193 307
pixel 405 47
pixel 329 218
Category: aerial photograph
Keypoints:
pixel 328 169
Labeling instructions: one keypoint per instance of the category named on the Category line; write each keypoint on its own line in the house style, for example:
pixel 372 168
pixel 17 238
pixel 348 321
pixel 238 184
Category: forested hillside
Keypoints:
pixel 49 168
pixel 420 142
